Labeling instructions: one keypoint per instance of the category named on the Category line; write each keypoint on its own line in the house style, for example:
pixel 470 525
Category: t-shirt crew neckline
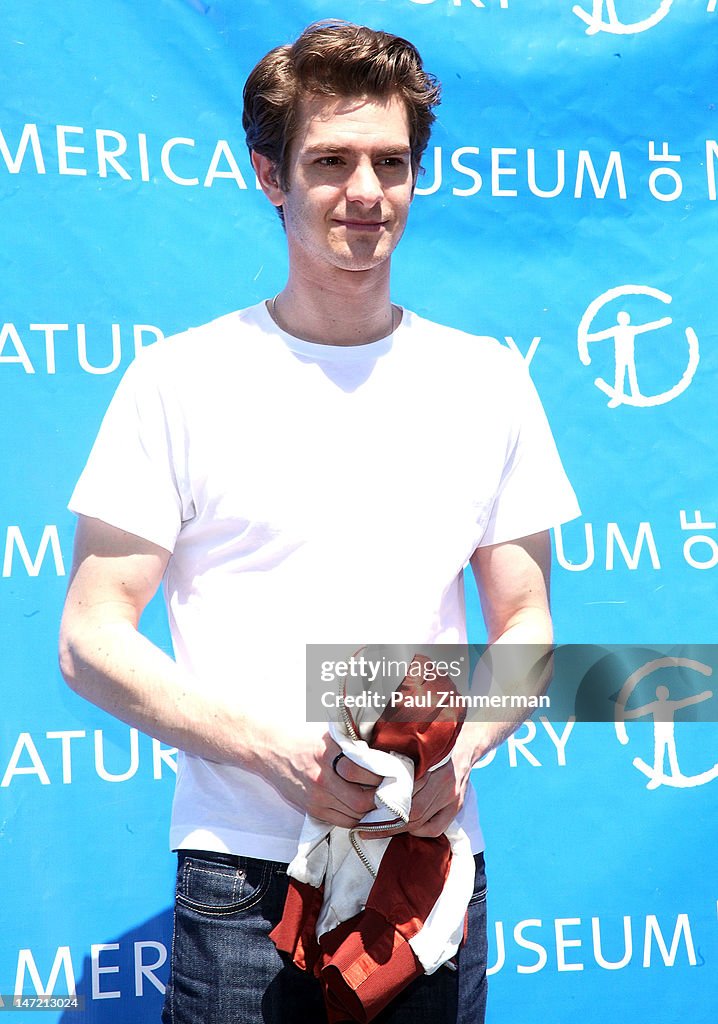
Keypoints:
pixel 335 353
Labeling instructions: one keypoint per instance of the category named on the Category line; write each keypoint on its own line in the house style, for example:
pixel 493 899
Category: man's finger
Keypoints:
pixel 355 799
pixel 348 797
pixel 335 816
pixel 437 790
pixel 434 826
pixel 346 769
pixel 419 784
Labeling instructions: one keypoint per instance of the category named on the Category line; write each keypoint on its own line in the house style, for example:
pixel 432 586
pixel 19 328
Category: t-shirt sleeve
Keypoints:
pixel 534 493
pixel 134 476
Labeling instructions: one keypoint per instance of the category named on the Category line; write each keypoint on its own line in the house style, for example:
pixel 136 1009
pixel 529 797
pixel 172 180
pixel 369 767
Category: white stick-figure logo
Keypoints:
pixel 663 711
pixel 624 333
pixel 613 23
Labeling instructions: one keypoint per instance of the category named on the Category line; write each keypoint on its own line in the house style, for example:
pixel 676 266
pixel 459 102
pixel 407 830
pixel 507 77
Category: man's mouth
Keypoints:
pixel 360 225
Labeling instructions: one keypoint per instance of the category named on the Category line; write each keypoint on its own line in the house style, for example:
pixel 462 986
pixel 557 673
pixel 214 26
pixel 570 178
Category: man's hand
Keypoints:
pixel 439 795
pixel 307 770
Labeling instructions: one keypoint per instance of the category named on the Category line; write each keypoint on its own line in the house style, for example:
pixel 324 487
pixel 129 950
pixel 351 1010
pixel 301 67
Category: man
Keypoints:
pixel 317 468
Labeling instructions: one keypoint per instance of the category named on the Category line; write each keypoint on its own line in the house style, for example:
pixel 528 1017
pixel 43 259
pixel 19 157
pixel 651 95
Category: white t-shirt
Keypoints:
pixel 313 494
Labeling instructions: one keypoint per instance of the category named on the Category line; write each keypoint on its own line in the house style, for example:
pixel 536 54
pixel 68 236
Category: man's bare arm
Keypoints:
pixel 513 582
pixel 105 659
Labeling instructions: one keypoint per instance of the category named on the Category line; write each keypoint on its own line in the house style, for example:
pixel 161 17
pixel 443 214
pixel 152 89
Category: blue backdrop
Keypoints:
pixel 569 209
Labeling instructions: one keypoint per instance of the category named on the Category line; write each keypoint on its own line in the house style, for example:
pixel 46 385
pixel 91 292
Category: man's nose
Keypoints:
pixel 364 186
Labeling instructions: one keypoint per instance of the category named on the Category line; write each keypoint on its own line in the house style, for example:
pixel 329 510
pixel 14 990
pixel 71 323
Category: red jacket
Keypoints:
pixel 366 961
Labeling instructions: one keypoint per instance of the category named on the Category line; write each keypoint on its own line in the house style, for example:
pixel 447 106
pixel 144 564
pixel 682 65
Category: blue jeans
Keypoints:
pixel 226 970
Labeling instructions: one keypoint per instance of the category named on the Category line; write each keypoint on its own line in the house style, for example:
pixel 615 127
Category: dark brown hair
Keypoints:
pixel 334 58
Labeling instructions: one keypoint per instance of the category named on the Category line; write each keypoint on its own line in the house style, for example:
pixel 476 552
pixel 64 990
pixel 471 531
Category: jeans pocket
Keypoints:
pixel 219 890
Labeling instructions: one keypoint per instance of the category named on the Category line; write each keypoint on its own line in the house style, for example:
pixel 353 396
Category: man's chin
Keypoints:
pixel 356 260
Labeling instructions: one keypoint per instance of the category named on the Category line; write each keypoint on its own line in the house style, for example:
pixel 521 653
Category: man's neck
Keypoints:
pixel 343 308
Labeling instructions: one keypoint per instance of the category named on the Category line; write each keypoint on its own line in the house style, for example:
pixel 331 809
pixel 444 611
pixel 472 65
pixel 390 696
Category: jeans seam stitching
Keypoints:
pixel 172 965
pixel 478 897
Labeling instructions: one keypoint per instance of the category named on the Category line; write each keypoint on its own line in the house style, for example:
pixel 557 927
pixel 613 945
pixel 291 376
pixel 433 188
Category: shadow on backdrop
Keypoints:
pixel 135 965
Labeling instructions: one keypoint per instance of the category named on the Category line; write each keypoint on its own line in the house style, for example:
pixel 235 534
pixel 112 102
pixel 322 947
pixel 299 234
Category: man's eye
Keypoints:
pixel 329 161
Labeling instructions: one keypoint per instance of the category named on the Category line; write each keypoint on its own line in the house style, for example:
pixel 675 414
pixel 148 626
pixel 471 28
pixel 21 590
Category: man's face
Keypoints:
pixel 350 182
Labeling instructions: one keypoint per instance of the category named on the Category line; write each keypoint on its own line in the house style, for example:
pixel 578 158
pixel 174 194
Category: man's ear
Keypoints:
pixel 266 172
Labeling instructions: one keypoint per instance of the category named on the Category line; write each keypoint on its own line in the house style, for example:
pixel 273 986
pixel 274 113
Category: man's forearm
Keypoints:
pixel 115 667
pixel 518 663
